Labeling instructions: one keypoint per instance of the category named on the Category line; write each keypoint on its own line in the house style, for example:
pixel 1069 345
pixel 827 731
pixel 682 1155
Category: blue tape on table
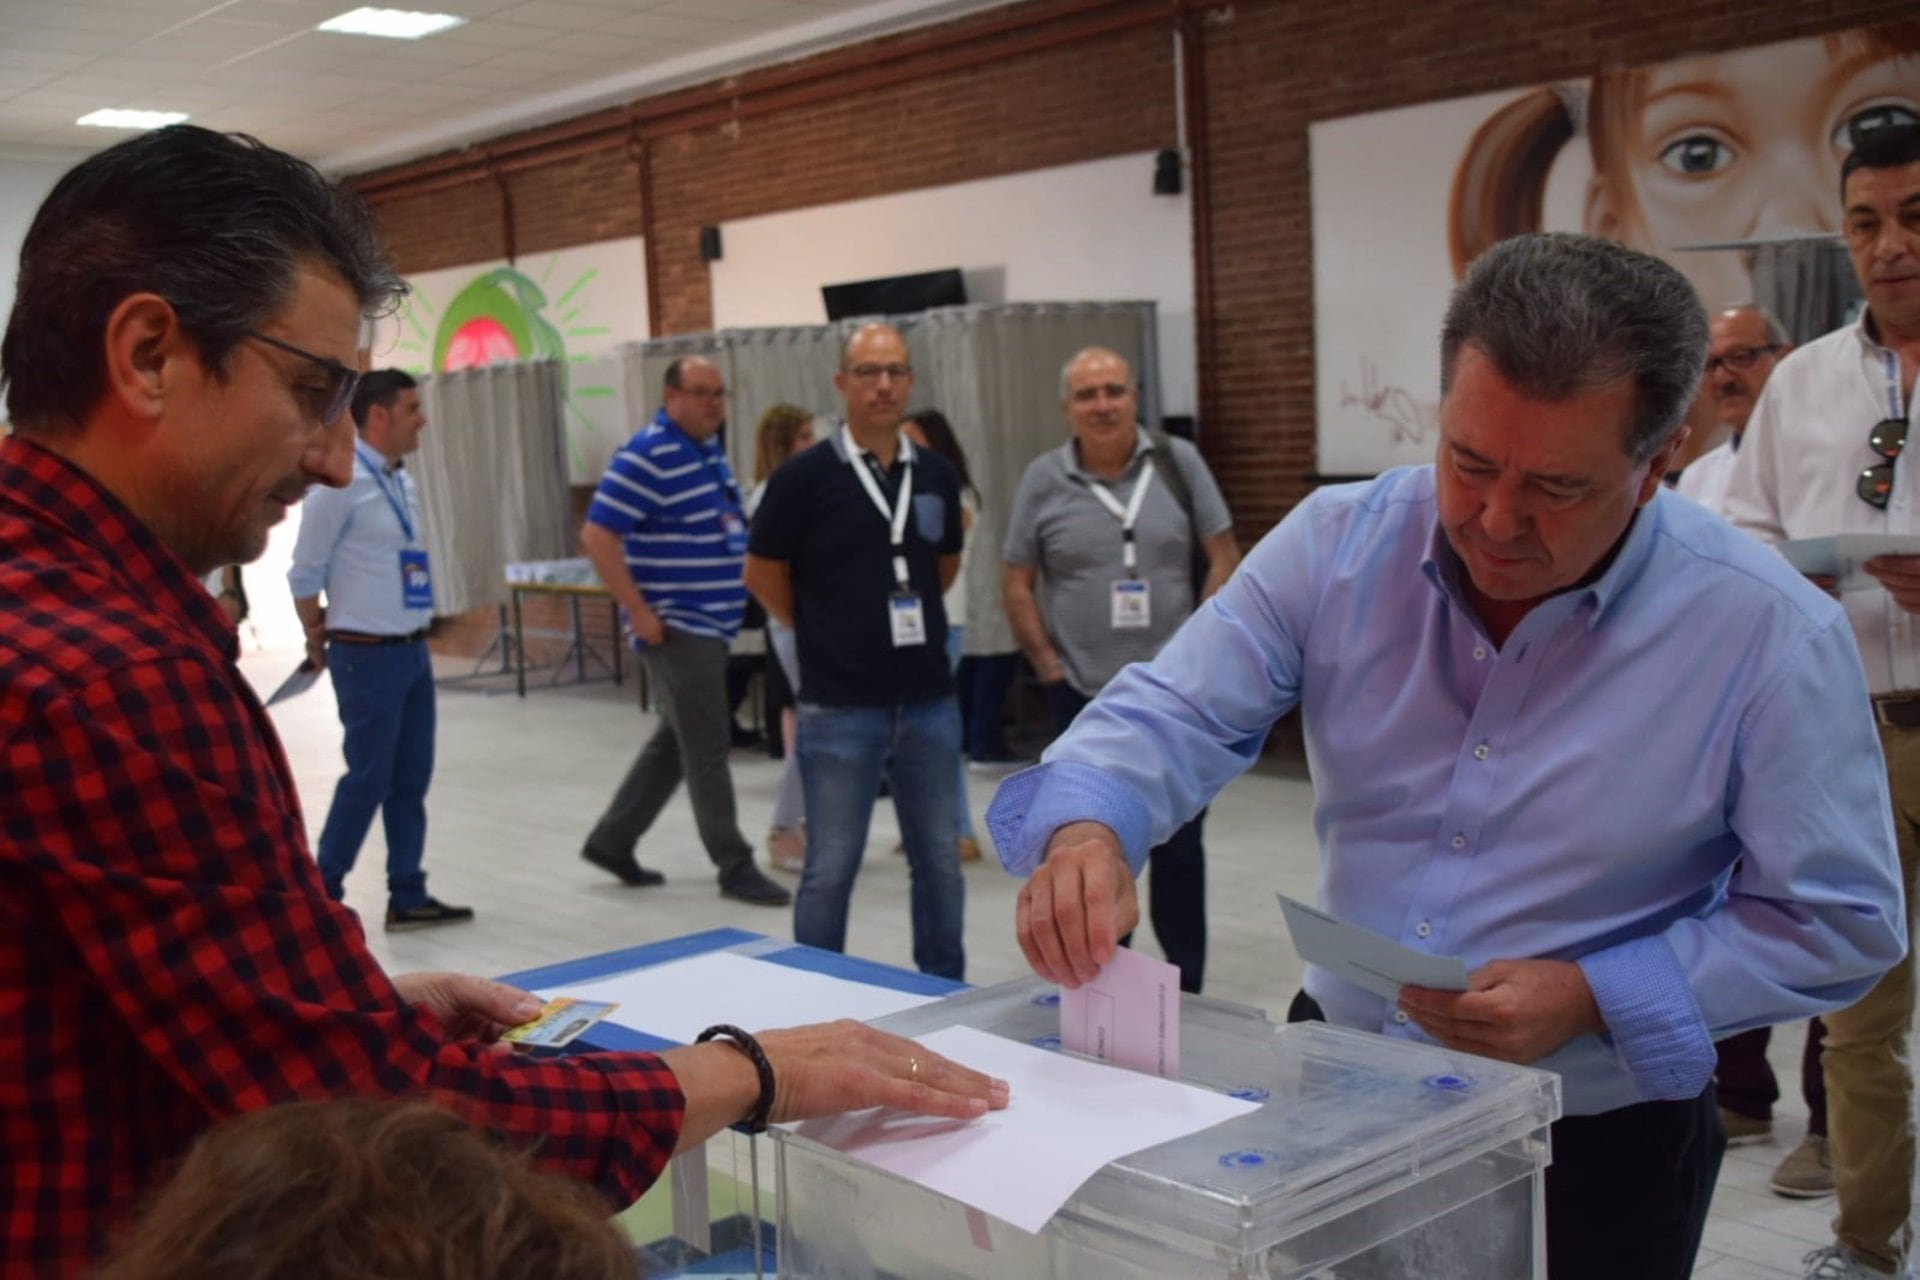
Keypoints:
pixel 611 1036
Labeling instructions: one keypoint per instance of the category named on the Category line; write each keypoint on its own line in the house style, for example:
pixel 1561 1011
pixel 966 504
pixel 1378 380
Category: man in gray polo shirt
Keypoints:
pixel 1108 525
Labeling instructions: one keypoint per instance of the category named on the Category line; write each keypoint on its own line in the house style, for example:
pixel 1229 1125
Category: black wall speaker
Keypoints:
pixel 1166 173
pixel 709 244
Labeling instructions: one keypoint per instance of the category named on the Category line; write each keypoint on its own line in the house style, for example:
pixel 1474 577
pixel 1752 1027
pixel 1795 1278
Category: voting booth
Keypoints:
pixel 1366 1158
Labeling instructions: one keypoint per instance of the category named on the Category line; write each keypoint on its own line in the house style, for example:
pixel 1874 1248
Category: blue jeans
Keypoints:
pixel 385 694
pixel 843 751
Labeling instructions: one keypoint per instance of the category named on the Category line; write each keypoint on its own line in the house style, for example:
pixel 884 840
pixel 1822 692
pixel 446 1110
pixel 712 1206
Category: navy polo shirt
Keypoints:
pixel 818 518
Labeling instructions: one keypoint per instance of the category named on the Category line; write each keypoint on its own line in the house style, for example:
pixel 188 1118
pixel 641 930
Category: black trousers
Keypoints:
pixel 1176 873
pixel 1628 1190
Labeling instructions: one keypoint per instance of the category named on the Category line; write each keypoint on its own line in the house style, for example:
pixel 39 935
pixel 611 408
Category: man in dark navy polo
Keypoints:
pixel 852 546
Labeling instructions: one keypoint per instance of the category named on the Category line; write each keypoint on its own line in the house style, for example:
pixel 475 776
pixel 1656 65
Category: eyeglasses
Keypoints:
pixel 703 393
pixel 342 382
pixel 1888 438
pixel 872 372
pixel 1740 359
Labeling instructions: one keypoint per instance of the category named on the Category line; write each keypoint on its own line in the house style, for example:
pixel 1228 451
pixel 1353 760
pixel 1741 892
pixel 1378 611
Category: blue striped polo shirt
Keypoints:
pixel 676 507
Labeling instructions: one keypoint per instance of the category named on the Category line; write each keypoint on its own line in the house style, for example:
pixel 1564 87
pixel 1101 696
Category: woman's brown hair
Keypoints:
pixel 361 1189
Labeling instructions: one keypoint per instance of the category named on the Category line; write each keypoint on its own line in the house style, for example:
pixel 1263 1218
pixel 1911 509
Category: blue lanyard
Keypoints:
pixel 722 476
pixel 1896 397
pixel 393 499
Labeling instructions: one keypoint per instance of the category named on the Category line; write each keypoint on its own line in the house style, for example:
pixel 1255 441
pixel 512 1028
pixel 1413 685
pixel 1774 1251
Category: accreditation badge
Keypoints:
pixel 907 619
pixel 1132 604
pixel 416 583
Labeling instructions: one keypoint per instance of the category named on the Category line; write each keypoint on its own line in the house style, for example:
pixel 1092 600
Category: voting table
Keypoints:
pixel 702 1218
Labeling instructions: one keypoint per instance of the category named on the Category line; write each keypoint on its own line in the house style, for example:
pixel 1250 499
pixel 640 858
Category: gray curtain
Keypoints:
pixel 993 370
pixel 492 471
pixel 1808 283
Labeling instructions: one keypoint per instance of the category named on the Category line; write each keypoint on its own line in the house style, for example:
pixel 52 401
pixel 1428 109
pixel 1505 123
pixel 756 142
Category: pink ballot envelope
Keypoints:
pixel 1129 1015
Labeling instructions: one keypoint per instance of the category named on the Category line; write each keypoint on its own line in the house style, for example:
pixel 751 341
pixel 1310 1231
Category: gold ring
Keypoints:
pixel 913 1068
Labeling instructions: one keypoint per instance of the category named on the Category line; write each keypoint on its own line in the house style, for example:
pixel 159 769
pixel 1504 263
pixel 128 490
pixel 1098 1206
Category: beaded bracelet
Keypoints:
pixel 756 1122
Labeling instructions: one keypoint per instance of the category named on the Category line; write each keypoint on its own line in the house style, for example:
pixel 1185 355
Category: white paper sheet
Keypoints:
pixel 1364 957
pixel 1067 1118
pixel 680 999
pixel 1842 555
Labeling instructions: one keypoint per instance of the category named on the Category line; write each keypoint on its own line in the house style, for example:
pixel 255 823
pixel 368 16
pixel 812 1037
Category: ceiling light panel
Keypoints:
pixel 394 24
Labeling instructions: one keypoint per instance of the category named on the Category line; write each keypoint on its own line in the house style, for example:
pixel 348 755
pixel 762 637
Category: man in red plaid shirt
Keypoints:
pixel 181 350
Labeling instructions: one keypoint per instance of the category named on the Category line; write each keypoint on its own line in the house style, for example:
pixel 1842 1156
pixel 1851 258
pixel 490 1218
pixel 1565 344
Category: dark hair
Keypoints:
pixel 1559 314
pixel 379 387
pixel 1887 146
pixel 940 438
pixel 358 1187
pixel 676 378
pixel 773 438
pixel 218 224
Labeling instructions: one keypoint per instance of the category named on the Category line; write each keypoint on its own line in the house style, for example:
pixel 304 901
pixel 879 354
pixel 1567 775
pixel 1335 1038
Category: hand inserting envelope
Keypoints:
pixel 1364 957
pixel 1128 1015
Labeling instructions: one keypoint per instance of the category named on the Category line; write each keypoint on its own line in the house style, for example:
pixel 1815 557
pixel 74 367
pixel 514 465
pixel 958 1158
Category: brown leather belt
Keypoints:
pixel 1898 710
pixel 361 637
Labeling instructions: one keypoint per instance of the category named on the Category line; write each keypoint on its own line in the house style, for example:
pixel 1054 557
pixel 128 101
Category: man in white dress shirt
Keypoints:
pixel 1746 343
pixel 1822 457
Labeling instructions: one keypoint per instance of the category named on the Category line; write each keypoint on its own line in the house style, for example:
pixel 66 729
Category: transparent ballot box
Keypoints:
pixel 1369 1159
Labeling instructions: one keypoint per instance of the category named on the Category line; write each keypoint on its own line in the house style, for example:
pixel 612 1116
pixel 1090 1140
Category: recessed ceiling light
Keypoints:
pixel 115 118
pixel 396 24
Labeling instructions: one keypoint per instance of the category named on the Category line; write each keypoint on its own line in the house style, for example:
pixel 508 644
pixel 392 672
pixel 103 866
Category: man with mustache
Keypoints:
pixel 1822 456
pixel 1745 344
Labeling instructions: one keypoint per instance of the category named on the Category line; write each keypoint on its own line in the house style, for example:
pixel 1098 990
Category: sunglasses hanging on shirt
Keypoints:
pixel 1887 438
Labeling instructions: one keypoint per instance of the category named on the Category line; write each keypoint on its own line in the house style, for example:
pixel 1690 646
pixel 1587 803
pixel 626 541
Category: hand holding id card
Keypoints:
pixel 559 1022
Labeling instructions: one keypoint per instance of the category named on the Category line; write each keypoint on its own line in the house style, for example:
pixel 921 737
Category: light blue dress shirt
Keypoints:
pixel 349 546
pixel 1670 776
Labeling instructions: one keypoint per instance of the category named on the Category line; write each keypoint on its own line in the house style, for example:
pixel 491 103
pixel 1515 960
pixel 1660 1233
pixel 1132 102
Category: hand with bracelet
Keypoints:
pixel 818 1070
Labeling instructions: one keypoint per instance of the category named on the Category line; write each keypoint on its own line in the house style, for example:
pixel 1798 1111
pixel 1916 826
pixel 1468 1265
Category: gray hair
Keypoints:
pixel 1776 332
pixel 1560 314
pixel 1082 354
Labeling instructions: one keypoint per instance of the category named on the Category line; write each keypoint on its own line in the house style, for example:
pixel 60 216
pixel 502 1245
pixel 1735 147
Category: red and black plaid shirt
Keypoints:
pixel 167 954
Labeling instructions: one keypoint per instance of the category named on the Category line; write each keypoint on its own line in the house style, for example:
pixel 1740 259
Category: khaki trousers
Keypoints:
pixel 1869 1080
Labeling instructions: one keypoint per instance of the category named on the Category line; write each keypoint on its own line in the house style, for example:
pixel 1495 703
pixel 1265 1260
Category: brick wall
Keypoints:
pixel 1270 67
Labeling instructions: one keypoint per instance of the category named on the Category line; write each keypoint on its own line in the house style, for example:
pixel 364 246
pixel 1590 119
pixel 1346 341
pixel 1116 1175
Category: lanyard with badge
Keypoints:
pixel 905 617
pixel 731 519
pixel 1132 595
pixel 416 583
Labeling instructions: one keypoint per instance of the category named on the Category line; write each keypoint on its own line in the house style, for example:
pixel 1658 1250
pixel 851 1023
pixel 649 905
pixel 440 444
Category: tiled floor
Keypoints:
pixel 519 781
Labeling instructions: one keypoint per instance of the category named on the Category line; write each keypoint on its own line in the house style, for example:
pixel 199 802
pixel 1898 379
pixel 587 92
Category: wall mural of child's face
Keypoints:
pixel 1738 146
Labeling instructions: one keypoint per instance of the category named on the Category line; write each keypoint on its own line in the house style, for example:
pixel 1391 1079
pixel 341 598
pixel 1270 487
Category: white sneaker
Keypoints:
pixel 1833 1262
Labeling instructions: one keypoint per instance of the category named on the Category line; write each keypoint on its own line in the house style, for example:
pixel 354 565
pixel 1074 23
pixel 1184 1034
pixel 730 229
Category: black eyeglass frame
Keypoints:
pixel 345 381
pixel 1887 438
pixel 1741 359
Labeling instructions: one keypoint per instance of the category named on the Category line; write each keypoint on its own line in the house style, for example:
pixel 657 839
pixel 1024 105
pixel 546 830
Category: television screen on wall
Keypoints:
pixel 894 295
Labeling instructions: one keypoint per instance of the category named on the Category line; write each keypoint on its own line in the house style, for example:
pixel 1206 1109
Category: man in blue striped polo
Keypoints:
pixel 667 536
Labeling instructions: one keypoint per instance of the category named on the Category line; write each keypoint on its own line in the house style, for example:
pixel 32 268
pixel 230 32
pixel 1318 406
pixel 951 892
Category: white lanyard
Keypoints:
pixel 1128 514
pixel 897 518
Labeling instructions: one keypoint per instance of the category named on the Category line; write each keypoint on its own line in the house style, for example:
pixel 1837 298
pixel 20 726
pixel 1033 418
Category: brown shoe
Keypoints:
pixel 969 849
pixel 1807 1172
pixel 1744 1131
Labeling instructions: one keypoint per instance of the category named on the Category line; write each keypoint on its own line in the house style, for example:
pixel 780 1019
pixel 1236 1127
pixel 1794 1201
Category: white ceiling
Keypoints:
pixel 351 103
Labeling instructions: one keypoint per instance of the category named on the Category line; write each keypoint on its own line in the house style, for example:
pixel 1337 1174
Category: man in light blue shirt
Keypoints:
pixel 1611 751
pixel 364 548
